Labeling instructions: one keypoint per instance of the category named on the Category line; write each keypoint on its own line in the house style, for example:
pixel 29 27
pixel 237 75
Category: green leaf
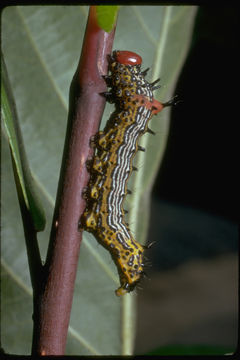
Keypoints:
pixel 41 46
pixel 107 16
pixel 24 177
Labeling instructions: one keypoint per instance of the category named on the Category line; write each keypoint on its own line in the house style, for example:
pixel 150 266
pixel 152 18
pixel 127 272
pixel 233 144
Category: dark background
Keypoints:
pixel 195 196
pixel 192 295
pixel 200 165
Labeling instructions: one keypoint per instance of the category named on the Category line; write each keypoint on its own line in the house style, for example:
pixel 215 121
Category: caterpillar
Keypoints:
pixel 112 164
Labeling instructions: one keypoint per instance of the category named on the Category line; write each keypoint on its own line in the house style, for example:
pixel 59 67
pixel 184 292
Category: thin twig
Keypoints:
pixel 52 309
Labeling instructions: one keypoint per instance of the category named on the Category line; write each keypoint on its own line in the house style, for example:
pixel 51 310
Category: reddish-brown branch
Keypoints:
pixel 53 306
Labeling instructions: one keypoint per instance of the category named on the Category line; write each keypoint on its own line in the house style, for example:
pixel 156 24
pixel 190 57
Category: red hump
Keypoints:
pixel 128 58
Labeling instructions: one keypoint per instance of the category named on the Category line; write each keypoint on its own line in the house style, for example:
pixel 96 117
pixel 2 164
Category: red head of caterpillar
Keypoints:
pixel 127 58
pixel 112 164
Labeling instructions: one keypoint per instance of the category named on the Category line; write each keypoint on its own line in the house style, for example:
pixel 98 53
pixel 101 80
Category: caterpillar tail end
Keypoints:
pixel 125 288
pixel 121 291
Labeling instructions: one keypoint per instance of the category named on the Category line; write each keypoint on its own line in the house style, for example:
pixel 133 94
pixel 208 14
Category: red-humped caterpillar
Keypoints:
pixel 111 166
